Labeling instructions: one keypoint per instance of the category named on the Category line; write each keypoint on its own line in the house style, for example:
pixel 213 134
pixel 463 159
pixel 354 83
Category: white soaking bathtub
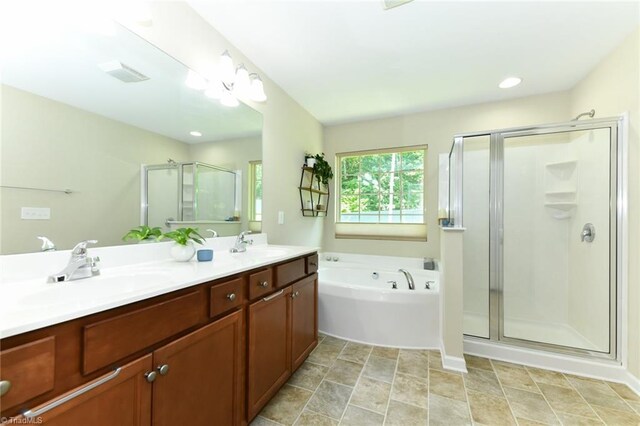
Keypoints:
pixel 356 306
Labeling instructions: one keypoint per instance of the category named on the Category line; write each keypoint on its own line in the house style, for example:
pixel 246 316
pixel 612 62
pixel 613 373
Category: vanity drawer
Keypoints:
pixel 312 264
pixel 29 370
pixel 226 296
pixel 110 340
pixel 290 272
pixel 260 283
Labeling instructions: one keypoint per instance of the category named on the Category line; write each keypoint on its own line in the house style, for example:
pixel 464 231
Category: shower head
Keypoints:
pixel 585 114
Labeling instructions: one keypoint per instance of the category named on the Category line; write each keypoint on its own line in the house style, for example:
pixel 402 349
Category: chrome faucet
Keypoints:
pixel 241 243
pixel 214 234
pixel 80 265
pixel 47 244
pixel 409 278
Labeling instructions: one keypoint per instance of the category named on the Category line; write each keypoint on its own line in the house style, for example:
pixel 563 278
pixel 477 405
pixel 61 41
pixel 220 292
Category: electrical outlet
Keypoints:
pixel 35 213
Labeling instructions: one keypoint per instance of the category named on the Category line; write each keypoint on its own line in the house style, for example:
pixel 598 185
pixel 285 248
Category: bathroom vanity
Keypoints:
pixel 210 353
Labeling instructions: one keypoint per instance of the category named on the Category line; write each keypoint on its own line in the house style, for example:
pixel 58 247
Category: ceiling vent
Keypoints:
pixel 122 72
pixel 389 4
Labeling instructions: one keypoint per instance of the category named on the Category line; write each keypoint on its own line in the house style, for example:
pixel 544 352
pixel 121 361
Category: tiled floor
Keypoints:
pixel 352 384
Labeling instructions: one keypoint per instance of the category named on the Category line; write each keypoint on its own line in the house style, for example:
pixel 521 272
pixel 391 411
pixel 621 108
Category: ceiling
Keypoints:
pixel 351 60
pixel 64 66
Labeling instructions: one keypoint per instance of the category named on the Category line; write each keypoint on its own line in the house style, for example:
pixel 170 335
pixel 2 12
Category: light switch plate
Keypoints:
pixel 35 213
pixel 280 218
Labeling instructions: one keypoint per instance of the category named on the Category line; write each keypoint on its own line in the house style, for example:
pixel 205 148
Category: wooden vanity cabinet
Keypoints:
pixel 213 353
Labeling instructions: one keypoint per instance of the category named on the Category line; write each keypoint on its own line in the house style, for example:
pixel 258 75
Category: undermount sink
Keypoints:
pixel 266 252
pixel 98 287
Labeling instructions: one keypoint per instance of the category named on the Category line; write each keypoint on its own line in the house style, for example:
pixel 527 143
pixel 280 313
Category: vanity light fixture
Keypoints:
pixel 510 82
pixel 233 82
pixel 195 133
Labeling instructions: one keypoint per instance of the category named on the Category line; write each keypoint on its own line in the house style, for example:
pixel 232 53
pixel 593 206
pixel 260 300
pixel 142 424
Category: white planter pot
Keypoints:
pixel 183 253
pixel 311 162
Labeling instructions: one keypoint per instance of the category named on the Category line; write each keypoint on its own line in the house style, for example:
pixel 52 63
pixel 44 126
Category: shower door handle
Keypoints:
pixel 588 233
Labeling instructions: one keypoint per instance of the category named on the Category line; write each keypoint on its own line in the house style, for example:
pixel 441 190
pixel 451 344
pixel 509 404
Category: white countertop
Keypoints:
pixel 33 303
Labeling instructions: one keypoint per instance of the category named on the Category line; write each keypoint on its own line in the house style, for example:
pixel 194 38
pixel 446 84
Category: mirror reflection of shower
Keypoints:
pixel 177 193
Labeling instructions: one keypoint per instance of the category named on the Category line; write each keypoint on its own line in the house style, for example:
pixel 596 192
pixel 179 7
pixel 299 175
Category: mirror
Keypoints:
pixel 85 113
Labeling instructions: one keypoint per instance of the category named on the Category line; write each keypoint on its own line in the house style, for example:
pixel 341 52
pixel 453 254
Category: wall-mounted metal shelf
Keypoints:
pixel 314 196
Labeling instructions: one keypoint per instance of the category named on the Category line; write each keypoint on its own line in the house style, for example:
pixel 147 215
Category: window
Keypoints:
pixel 255 195
pixel 381 194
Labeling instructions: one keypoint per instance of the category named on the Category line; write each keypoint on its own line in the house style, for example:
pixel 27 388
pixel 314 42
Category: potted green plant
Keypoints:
pixel 143 233
pixel 183 247
pixel 322 169
pixel 309 159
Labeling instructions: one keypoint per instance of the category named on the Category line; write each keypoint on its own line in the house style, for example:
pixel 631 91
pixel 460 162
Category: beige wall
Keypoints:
pixel 436 129
pixel 288 129
pixel 613 87
pixel 65 147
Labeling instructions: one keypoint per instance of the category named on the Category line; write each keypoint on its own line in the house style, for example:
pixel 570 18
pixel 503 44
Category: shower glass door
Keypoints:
pixel 556 237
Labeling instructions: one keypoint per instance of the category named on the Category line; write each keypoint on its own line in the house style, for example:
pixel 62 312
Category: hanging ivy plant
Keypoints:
pixel 322 169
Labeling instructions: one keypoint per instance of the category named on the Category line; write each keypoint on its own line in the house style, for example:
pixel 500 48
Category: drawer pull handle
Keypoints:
pixel 313 263
pixel 273 296
pixel 263 284
pixel 231 296
pixel 150 376
pixel 30 413
pixel 5 385
pixel 163 369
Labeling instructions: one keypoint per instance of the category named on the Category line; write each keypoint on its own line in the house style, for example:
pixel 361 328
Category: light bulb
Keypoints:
pixel 214 90
pixel 510 82
pixel 257 89
pixel 227 99
pixel 242 83
pixel 227 71
pixel 196 81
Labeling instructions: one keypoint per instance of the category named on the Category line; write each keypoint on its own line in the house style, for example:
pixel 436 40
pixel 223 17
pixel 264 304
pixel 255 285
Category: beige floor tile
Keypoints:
pixel 514 376
pixel 261 421
pixel 445 384
pixel 309 418
pixel 380 368
pixel 482 381
pixel 344 372
pixel 435 360
pixel 308 376
pixel 330 399
pixel 334 341
pixel 447 412
pixel 617 418
pixel 287 405
pixel 414 362
pixel 401 414
pixel 371 394
pixel 624 391
pixel 410 390
pixel 324 354
pixel 527 422
pixel 490 410
pixel 549 377
pixel 635 406
pixel 572 420
pixel 478 362
pixel 356 416
pixel 599 393
pixel 530 405
pixel 391 353
pixel 566 400
pixel 355 352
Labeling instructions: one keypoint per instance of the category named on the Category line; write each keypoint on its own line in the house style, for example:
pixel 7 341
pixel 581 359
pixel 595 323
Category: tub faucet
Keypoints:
pixel 241 243
pixel 409 278
pixel 80 265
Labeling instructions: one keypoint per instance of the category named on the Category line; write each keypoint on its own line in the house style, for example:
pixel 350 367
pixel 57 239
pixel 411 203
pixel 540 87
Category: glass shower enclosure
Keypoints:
pixel 190 192
pixel 541 212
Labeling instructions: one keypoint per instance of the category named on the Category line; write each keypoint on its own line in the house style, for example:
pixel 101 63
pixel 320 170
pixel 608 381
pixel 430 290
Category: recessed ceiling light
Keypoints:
pixel 510 82
pixel 195 133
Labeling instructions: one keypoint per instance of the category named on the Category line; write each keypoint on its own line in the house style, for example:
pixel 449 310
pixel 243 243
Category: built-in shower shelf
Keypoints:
pixel 562 164
pixel 561 206
pixel 561 193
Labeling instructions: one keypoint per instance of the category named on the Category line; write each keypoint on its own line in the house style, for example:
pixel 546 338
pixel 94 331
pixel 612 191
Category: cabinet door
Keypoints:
pixel 269 348
pixel 199 376
pixel 304 319
pixel 122 398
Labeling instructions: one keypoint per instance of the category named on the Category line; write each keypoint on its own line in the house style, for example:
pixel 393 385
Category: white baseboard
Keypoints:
pixel 454 363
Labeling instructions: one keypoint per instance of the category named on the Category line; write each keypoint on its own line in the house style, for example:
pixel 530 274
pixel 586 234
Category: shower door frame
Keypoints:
pixel 617 200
